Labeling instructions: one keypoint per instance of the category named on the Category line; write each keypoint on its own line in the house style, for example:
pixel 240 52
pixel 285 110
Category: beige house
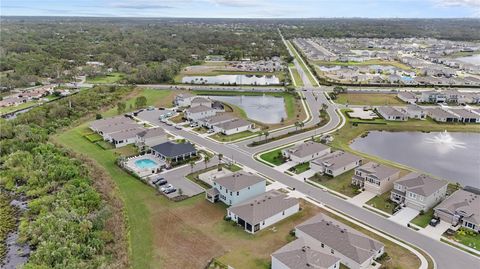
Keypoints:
pixel 335 163
pixel 462 207
pixel 375 178
pixel 306 152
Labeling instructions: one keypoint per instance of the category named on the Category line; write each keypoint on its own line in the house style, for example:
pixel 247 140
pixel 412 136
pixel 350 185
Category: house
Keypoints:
pixel 235 188
pixel 441 115
pixel 199 112
pixel 462 207
pixel 209 122
pixel 102 126
pixel 418 191
pixel 124 137
pixel 303 254
pixel 335 163
pixel 354 249
pixel 408 97
pixel 466 116
pixel 305 152
pixel 200 101
pixel 151 137
pixel 375 178
pixel 174 151
pixel 184 99
pixel 433 97
pixel 391 113
pixel 414 111
pixel 233 126
pixel 263 210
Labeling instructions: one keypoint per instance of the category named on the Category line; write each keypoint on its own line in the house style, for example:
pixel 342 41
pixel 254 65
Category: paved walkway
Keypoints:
pixel 362 198
pixel 404 215
pixel 437 231
pixel 305 175
pixel 285 166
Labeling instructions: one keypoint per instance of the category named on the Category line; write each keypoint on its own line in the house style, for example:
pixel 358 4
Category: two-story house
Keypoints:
pixel 462 207
pixel 235 188
pixel 418 191
pixel 375 178
pixel 335 163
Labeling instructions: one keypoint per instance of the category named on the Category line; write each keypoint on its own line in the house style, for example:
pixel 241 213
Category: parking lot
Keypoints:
pixel 153 116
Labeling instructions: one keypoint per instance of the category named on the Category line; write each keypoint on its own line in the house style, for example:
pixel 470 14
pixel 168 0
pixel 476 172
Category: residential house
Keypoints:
pixel 124 137
pixel 199 112
pixel 408 97
pixel 200 101
pixel 391 113
pixel 462 207
pixel 375 178
pixel 441 115
pixel 335 163
pixel 305 152
pixel 263 210
pixel 233 126
pixel 102 125
pixel 170 151
pixel 418 191
pixel 184 99
pixel 209 122
pixel 414 111
pixel 303 254
pixel 433 97
pixel 151 137
pixel 466 116
pixel 235 188
pixel 354 249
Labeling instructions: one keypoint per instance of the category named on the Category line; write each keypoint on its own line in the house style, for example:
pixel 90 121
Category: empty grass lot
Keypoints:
pixel 341 183
pixel 368 99
pixel 232 137
pixel 383 203
pixel 298 82
pixel 107 79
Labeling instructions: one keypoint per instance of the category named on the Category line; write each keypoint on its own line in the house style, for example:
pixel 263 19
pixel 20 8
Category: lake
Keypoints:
pixel 266 109
pixel 474 59
pixel 233 79
pixel 452 156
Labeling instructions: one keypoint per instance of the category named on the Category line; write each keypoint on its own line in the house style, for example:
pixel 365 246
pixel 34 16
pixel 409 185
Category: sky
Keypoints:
pixel 244 8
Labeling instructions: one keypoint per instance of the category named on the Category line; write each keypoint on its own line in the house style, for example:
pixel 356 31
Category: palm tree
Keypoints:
pixel 206 159
pixel 266 134
pixel 296 125
pixel 220 156
pixel 301 124
pixel 192 164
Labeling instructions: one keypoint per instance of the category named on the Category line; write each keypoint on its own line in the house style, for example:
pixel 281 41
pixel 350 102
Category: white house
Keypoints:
pixel 184 99
pixel 151 137
pixel 303 254
pixel 354 249
pixel 391 113
pixel 305 152
pixel 200 101
pixel 335 163
pixel 234 126
pixel 199 112
pixel 219 118
pixel 263 210
pixel 418 191
pixel 441 115
pixel 235 188
pixel 124 137
pixel 414 112
pixel 408 97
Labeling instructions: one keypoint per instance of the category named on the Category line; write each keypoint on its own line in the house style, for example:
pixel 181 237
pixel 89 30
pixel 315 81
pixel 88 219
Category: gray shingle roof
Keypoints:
pixel 236 123
pixel 341 238
pixel 306 149
pixel 421 184
pixel 462 202
pixel 125 134
pixel 169 149
pixel 380 171
pixel 440 113
pixel 263 206
pixel 198 109
pixel 390 111
pixel 152 132
pixel 238 181
pixel 303 254
pixel 104 123
pixel 336 159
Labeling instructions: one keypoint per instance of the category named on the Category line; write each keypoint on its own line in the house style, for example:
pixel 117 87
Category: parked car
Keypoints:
pixel 193 124
pixel 150 108
pixel 168 191
pixel 155 181
pixel 210 131
pixel 161 182
pixel 168 186
pixel 434 222
pixel 178 127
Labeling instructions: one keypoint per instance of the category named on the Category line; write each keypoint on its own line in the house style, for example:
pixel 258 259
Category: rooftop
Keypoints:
pixel 336 159
pixel 303 254
pixel 198 109
pixel 238 181
pixel 464 203
pixel 390 111
pixel 306 149
pixel 421 184
pixel 380 171
pixel 152 132
pixel 236 123
pixel 170 149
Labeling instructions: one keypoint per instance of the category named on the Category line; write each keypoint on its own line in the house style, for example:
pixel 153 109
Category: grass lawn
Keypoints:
pixel 368 99
pixel 107 79
pixel 233 137
pixel 93 137
pixel 383 203
pixel 467 238
pixel 296 76
pixel 8 109
pixel 273 157
pixel 126 151
pixel 341 183
pixel 423 220
pixel 299 59
pixel 300 168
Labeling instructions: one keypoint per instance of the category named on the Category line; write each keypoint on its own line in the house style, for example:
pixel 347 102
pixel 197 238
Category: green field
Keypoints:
pixel 298 82
pixel 423 220
pixel 383 203
pixel 110 78
pixel 368 99
pixel 341 183
pixel 233 137
pixel 155 97
pixel 273 157
pixel 299 59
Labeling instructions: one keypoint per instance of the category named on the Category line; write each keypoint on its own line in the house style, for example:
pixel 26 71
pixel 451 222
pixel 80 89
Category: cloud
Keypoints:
pixel 237 3
pixel 459 3
pixel 140 6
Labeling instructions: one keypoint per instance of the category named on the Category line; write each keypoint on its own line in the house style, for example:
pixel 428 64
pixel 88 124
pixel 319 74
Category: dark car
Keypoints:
pixel 170 190
pixel 161 182
pixel 434 222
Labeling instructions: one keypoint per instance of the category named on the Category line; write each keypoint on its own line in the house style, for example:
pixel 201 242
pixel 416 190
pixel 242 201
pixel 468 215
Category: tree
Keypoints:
pixel 140 101
pixel 180 191
pixel 220 156
pixel 301 124
pixel 266 134
pixel 206 159
pixel 98 116
pixel 192 165
pixel 324 107
pixel 121 107
pixel 297 124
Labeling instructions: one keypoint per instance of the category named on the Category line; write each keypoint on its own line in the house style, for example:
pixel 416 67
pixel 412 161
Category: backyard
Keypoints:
pixel 368 99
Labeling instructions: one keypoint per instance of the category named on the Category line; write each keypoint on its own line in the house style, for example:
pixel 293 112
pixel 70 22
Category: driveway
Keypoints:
pixel 437 231
pixel 361 198
pixel 404 215
pixel 285 166
pixel 305 175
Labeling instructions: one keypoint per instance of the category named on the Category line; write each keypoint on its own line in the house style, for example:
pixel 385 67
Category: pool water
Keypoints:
pixel 145 164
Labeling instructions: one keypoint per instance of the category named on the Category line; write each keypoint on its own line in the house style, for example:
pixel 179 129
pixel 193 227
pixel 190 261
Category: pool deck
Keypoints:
pixel 144 172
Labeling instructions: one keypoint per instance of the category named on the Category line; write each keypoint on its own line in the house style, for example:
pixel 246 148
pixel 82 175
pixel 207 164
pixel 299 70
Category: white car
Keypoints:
pixel 211 131
pixel 168 186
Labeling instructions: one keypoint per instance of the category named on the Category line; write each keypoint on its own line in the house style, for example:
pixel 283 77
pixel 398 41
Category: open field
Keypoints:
pixel 382 202
pixel 369 62
pixel 299 59
pixel 107 79
pixel 368 99
pixel 341 183
pixel 298 82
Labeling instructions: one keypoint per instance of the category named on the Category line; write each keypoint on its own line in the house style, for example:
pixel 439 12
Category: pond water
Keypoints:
pixel 266 109
pixel 233 79
pixel 474 59
pixel 452 156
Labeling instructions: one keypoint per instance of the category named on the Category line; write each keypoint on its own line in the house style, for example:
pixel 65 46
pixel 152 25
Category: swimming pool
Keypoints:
pixel 145 164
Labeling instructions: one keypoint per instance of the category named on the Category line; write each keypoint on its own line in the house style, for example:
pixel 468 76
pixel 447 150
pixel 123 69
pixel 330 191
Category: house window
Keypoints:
pixel 230 193
pixel 283 213
pixel 263 222
pixel 220 187
pixel 238 193
pixel 323 245
pixel 332 251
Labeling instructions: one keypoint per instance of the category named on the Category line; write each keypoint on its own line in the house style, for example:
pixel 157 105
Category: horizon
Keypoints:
pixel 246 9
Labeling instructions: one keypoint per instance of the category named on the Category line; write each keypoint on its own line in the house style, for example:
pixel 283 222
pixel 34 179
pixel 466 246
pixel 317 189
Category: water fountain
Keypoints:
pixel 446 140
